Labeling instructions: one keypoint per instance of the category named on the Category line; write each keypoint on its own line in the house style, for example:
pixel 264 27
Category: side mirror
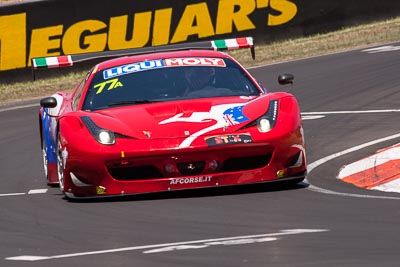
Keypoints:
pixel 48 102
pixel 285 79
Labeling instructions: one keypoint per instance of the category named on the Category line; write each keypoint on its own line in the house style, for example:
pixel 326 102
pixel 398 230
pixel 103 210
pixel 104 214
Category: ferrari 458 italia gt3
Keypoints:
pixel 168 118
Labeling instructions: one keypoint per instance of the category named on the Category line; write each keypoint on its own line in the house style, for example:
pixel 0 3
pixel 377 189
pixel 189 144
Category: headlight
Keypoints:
pixel 103 136
pixel 106 137
pixel 264 125
pixel 266 122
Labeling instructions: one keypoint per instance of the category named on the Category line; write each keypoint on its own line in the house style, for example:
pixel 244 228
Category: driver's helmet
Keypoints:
pixel 199 77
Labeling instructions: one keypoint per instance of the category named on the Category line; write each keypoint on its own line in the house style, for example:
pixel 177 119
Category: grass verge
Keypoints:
pixel 346 39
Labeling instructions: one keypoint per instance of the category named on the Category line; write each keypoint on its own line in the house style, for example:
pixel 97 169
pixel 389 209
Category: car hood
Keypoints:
pixel 182 118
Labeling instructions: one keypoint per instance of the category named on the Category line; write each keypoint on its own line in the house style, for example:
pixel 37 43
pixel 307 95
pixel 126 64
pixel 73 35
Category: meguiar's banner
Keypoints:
pixel 57 27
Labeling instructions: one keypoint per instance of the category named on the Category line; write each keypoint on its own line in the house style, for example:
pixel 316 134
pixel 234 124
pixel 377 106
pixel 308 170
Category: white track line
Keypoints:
pixel 351 112
pixel 30 192
pixel 12 194
pixel 19 107
pixel 167 245
pixel 37 191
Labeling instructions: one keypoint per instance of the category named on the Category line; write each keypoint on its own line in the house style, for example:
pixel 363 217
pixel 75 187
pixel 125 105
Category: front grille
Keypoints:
pixel 245 163
pixel 187 168
pixel 135 173
pixel 191 168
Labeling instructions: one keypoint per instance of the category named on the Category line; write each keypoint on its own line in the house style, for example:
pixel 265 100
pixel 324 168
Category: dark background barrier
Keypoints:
pixel 56 27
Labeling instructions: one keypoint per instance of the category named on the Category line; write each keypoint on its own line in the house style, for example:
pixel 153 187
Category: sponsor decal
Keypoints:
pixel 48 134
pixel 19 41
pixel 101 190
pixel 228 139
pixel 161 63
pixel 111 84
pixel 191 180
pixel 235 111
pixel 192 61
pixel 134 67
pixel 235 116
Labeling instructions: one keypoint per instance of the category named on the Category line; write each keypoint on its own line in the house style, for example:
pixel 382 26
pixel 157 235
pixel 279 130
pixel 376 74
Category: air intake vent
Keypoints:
pixel 135 173
pixel 245 163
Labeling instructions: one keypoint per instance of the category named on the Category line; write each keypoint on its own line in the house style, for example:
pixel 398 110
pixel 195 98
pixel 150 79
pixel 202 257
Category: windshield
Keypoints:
pixel 167 80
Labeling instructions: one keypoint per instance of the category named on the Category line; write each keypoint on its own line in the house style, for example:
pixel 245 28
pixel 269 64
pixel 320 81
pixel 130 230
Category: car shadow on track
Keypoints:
pixel 197 193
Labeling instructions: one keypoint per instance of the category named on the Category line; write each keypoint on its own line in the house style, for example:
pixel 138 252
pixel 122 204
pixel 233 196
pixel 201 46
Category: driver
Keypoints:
pixel 198 78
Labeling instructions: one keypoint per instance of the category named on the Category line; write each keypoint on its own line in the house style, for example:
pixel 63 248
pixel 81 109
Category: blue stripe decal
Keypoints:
pixel 50 142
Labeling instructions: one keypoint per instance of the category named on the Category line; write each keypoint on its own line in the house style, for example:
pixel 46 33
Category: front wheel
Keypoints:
pixel 61 161
pixel 45 159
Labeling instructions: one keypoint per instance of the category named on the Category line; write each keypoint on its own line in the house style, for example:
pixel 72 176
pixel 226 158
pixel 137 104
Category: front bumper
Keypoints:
pixel 115 171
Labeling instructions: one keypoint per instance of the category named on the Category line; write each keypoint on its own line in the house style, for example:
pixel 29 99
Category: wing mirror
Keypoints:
pixel 48 102
pixel 285 79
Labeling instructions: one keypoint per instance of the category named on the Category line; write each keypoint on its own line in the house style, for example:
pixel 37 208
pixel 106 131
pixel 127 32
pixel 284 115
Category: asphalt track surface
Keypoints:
pixel 323 223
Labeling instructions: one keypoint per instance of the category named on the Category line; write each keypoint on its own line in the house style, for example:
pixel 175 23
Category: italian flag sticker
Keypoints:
pixel 231 44
pixel 52 62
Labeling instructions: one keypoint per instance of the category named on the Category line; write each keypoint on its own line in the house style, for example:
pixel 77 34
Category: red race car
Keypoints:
pixel 168 118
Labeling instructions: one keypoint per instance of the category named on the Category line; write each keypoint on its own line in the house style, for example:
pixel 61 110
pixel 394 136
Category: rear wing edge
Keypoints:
pixel 70 60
